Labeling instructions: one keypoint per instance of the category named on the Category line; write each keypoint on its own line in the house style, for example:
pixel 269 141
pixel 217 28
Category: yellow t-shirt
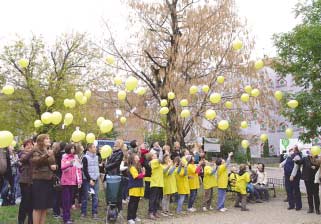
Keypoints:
pixel 232 179
pixel 157 178
pixel 209 180
pixel 170 186
pixel 242 182
pixel 193 180
pixel 136 191
pixel 182 182
pixel 222 176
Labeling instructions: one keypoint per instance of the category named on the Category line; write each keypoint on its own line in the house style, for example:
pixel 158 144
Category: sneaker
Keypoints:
pixel 191 209
pixel 138 219
pixel 211 208
pixel 156 215
pixel 152 217
pixel 164 214
pixel 170 214
pixel 222 210
pixel 204 209
pixel 259 201
pixel 124 201
pixel 131 221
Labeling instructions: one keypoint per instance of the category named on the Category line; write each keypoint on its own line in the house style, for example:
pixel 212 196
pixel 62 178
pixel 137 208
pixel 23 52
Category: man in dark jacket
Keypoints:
pixel 308 175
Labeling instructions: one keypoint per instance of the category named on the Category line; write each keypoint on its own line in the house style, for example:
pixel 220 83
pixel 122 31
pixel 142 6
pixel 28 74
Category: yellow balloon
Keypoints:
pixel 78 96
pixel 131 83
pixel 185 113
pixel 87 94
pixel 46 118
pixel 184 103
pixel 289 132
pixel 83 100
pixel 123 120
pixel 205 88
pixel 141 91
pixel 223 125
pixel 163 103
pixel 237 45
pixel 121 95
pixel 118 81
pixel 49 101
pixel 56 117
pixel 259 65
pixel 72 103
pixel 76 136
pixel 248 89
pixel 23 63
pixel 100 120
pixel 220 79
pixel 228 104
pixel 244 124
pixel 164 110
pixel 193 90
pixel 255 92
pixel 215 98
pixel 90 138
pixel 315 150
pixel 8 90
pixel 105 151
pixel 37 123
pixel 245 97
pixel 210 114
pixel 66 103
pixel 13 143
pixel 245 144
pixel 264 137
pixel 6 138
pixel 293 104
pixel 82 135
pixel 278 95
pixel 106 126
pixel 171 95
pixel 110 60
pixel 68 119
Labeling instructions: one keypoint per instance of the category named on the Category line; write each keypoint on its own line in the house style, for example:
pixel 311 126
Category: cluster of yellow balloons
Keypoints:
pixel 47 118
pixel 7 90
pixel 6 139
pixel 69 103
pixel 68 119
pixel 90 138
pixel 81 98
pixel 105 126
pixel 105 151
pixel 215 98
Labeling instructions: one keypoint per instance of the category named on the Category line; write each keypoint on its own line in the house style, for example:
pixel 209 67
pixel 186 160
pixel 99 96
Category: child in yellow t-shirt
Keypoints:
pixel 193 180
pixel 232 177
pixel 209 182
pixel 240 187
pixel 135 186
pixel 182 184
pixel 222 181
pixel 170 187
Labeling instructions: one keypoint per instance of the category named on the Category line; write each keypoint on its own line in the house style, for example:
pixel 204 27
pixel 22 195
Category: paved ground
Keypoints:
pixel 273 212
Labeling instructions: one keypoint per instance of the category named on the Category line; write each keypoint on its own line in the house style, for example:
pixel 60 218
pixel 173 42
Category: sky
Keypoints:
pixel 50 18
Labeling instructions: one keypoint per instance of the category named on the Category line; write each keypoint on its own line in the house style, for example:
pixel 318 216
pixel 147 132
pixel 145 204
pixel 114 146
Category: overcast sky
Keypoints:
pixel 52 17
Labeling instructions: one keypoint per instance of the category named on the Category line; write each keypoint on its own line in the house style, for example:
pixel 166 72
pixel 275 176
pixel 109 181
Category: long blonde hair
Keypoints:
pixel 119 144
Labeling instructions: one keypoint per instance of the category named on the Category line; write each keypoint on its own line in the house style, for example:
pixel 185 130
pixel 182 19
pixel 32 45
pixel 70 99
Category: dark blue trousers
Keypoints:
pixel 293 192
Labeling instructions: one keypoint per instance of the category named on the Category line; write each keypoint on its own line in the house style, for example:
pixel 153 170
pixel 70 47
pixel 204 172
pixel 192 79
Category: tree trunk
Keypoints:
pixel 174 127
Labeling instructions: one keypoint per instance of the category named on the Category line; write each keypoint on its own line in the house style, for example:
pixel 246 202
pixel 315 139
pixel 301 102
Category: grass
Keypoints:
pixel 8 214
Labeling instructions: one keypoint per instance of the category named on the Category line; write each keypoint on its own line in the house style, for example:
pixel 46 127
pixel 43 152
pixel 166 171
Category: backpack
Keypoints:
pixel 3 162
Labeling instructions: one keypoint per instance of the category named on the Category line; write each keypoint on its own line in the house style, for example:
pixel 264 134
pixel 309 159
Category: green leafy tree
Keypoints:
pixel 266 150
pixel 299 54
pixel 56 71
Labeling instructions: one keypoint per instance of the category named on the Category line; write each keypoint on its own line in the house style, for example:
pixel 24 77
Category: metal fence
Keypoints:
pixel 276 182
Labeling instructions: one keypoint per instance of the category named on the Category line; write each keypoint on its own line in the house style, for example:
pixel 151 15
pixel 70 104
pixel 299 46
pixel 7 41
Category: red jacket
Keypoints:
pixel 142 154
pixel 71 175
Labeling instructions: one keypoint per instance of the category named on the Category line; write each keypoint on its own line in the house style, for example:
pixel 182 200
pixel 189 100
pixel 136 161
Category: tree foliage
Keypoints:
pixel 299 54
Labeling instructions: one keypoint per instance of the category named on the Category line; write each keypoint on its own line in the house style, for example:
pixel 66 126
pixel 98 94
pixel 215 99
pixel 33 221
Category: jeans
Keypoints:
pixel 313 194
pixel 67 196
pixel 180 202
pixel 154 197
pixel 263 191
pixel 17 189
pixel 293 192
pixel 165 202
pixel 192 198
pixel 132 207
pixel 56 202
pixel 221 198
pixel 125 188
pixel 86 188
pixel 25 207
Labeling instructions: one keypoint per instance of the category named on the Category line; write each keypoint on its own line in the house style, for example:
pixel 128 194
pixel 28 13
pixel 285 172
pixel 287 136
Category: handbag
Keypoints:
pixel 56 183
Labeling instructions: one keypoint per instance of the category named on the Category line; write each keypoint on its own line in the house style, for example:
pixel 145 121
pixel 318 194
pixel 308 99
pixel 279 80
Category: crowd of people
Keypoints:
pixel 62 176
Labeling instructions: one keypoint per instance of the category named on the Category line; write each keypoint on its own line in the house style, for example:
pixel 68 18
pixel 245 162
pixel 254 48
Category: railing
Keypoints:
pixel 276 182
